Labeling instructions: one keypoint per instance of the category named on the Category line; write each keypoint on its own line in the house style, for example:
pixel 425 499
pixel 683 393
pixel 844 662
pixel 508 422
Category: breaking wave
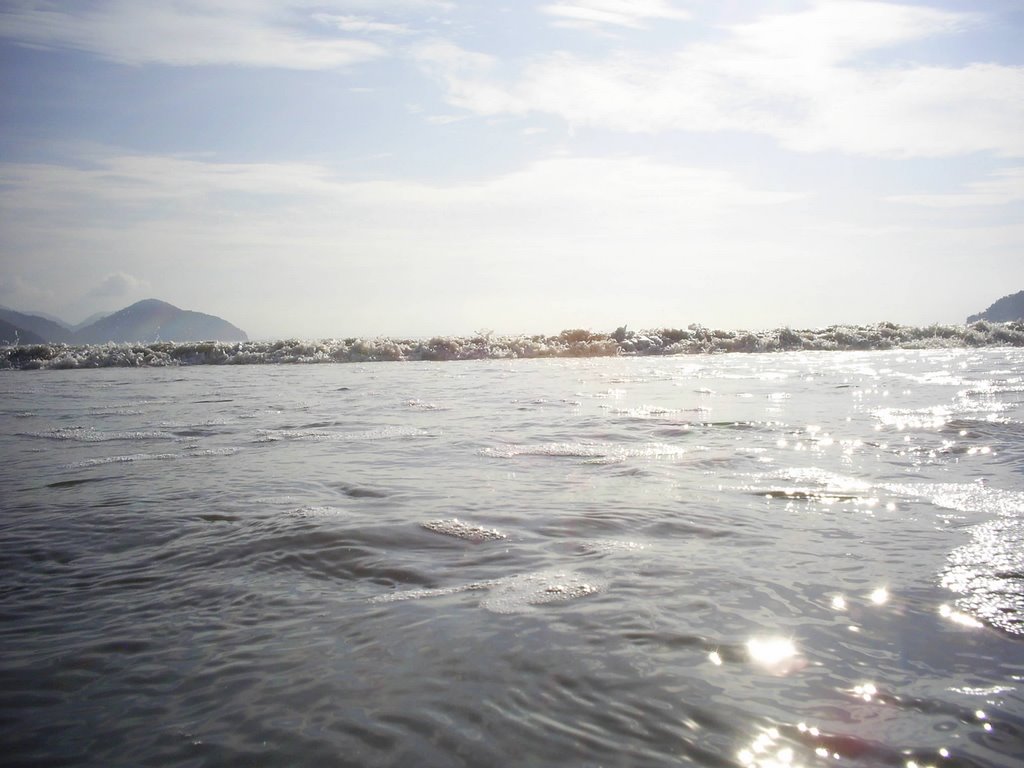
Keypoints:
pixel 569 343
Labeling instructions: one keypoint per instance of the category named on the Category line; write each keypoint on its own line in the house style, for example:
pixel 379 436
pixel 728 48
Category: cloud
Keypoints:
pixel 149 185
pixel 25 293
pixel 168 218
pixel 118 284
pixel 593 240
pixel 444 119
pixel 168 185
pixel 467 76
pixel 832 31
pixel 146 209
pixel 406 245
pixel 588 14
pixel 1000 188
pixel 362 25
pixel 252 33
pixel 796 77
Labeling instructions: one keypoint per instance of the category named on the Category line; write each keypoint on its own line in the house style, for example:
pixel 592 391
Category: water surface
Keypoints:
pixel 730 560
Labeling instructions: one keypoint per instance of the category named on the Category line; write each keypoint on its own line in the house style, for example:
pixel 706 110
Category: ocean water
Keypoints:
pixel 799 559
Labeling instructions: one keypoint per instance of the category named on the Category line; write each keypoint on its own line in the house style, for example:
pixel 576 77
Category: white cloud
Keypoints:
pixel 149 184
pixel 25 294
pixel 116 285
pixel 378 6
pixel 837 30
pixel 561 242
pixel 135 181
pixel 795 77
pixel 143 214
pixel 632 14
pixel 444 119
pixel 467 77
pixel 401 244
pixel 362 25
pixel 256 33
pixel 1000 188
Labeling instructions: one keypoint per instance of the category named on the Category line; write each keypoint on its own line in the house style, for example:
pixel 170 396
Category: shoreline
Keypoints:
pixel 578 343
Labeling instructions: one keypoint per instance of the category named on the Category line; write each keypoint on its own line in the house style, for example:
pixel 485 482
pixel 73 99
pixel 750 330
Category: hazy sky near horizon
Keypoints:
pixel 422 167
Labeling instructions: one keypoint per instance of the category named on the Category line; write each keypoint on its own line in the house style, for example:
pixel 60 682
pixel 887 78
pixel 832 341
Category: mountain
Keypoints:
pixel 149 320
pixel 55 319
pixel 152 320
pixel 89 320
pixel 1006 309
pixel 13 334
pixel 44 328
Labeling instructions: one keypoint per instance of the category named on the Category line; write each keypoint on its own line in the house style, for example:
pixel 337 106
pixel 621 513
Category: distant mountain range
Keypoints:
pixel 1003 311
pixel 145 321
pixel 12 334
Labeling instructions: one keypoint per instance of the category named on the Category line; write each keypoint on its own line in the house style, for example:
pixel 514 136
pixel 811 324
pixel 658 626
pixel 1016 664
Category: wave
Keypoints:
pixel 89 435
pixel 569 343
pixel 192 454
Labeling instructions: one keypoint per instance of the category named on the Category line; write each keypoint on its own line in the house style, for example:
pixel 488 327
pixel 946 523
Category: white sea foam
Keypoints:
pixel 462 530
pixel 422 406
pixel 385 433
pixel 520 593
pixel 90 435
pixel 592 452
pixel 275 500
pixel 276 435
pixel 605 546
pixel 125 459
pixel 648 412
pixel 317 511
pixel 513 594
pixel 196 453
pixel 577 450
pixel 419 594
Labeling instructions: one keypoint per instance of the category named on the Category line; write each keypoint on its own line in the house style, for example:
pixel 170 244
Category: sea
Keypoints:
pixel 780 559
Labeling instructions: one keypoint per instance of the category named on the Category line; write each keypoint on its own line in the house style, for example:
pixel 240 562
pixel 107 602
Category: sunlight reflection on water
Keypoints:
pixel 776 655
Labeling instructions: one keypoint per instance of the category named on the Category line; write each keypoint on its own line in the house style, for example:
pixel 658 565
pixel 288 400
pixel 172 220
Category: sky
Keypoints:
pixel 414 168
